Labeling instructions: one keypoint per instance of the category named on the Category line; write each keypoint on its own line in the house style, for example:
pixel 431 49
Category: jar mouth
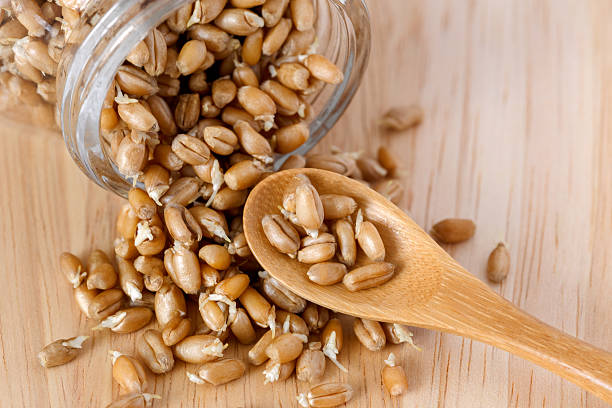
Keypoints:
pixel 111 29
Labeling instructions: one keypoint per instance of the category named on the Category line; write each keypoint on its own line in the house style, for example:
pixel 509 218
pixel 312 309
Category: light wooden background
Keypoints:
pixel 517 135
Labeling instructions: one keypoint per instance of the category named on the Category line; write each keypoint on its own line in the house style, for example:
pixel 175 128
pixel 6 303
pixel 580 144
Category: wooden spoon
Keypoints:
pixel 429 288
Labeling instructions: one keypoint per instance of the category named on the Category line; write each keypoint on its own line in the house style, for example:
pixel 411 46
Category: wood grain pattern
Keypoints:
pixel 517 97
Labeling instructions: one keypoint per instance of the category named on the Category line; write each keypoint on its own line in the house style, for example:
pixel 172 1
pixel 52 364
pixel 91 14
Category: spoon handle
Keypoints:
pixel 467 307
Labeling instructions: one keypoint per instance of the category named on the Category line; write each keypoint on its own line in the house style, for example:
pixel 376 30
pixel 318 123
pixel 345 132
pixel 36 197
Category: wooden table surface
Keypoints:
pixel 517 135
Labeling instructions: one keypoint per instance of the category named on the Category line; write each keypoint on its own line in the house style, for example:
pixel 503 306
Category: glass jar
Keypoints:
pixel 110 29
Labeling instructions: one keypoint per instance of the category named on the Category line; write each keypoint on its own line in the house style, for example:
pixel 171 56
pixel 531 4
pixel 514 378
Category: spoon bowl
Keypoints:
pixel 429 288
pixel 407 246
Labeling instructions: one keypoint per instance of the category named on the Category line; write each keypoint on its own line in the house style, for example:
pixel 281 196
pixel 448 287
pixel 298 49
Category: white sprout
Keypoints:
pixel 114 355
pixel 95 19
pixel 111 321
pixel 143 233
pixel 391 361
pixel 122 99
pixel 302 400
pixel 215 348
pixel 272 70
pixel 78 278
pixel 287 324
pixel 312 49
pixel 268 121
pixel 217 181
pixel 302 110
pixel 75 342
pixel 157 192
pixel 331 351
pixel 149 398
pixel 196 16
pixel 314 233
pixel 260 165
pixel 273 374
pixel 18 47
pixel 264 159
pixel 215 228
pixel 291 216
pixel 133 292
pixel 404 335
pixel 272 321
pixel 358 223
pixel 194 378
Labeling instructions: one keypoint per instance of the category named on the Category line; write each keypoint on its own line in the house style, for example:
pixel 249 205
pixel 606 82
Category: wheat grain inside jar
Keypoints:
pixel 120 79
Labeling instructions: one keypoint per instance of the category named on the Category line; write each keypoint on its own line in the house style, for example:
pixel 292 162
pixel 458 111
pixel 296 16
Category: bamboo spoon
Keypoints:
pixel 429 288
